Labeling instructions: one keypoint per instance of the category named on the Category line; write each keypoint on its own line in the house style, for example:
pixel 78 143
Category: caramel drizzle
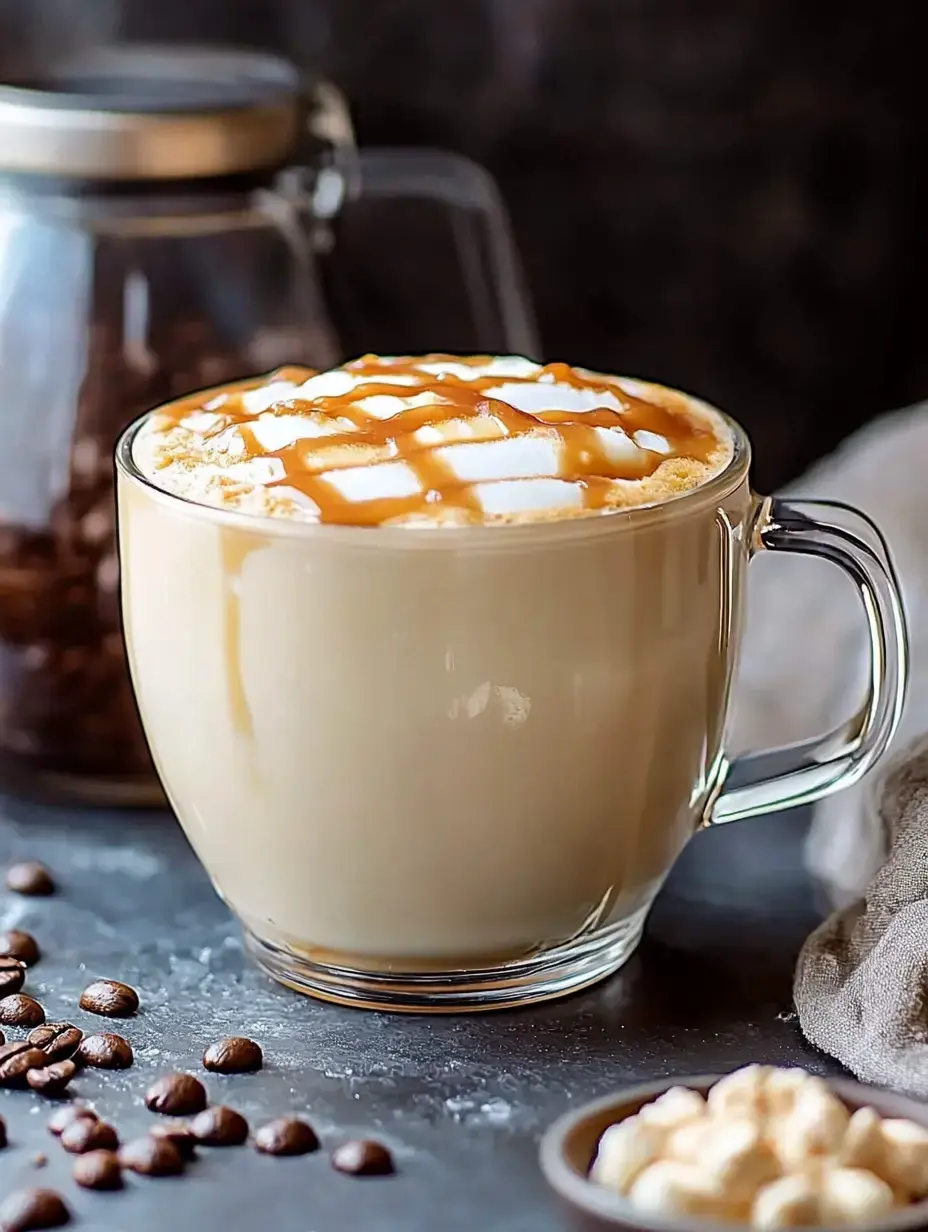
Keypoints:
pixel 582 456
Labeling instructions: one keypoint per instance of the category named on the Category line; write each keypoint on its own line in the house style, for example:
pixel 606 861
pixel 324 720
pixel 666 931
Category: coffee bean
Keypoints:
pixel 219 1126
pixel 98 1170
pixel 105 1051
pixel 85 1135
pixel 16 1060
pixel 286 1136
pixel 110 998
pixel 30 878
pixel 12 975
pixel 3 1137
pixel 176 1095
pixel 17 944
pixel 179 1136
pixel 53 1079
pixel 20 1010
pixel 362 1157
pixel 59 1121
pixel 30 1210
pixel 58 1040
pixel 39 1160
pixel 235 1055
pixel 151 1156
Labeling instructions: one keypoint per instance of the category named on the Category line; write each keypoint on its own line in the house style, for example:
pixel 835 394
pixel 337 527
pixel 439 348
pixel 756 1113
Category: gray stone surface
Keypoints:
pixel 461 1101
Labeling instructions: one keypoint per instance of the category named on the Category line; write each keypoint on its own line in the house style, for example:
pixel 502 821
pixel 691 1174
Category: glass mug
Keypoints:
pixel 450 769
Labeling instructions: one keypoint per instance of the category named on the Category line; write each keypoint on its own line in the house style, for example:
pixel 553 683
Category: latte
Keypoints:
pixel 435 441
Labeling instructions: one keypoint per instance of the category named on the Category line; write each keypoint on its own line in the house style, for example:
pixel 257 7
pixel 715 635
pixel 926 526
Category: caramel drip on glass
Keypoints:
pixel 582 457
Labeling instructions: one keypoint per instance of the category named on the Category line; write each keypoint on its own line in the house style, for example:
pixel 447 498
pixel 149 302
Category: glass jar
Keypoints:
pixel 160 216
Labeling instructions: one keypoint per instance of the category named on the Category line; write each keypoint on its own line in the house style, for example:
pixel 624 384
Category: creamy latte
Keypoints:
pixel 434 441
pixel 404 752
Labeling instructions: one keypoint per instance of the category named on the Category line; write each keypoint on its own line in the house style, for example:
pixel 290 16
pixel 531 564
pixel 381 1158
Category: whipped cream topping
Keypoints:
pixel 436 440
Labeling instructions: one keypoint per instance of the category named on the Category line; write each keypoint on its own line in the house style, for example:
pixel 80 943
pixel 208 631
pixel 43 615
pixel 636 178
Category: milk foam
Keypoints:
pixel 203 455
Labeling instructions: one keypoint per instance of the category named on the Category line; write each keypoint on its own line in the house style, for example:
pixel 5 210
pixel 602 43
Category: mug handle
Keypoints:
pixel 490 267
pixel 809 770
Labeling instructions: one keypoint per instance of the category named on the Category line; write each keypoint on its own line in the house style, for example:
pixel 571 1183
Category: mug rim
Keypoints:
pixel 453 537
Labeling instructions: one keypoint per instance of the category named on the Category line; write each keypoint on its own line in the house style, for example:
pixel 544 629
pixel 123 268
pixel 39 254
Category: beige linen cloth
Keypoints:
pixel 861 986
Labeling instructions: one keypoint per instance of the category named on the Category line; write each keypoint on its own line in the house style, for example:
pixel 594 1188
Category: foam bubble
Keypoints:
pixel 514 496
pixel 518 457
pixel 382 481
pixel 502 365
pixel 274 432
pixel 257 400
pixel 652 440
pixel 538 397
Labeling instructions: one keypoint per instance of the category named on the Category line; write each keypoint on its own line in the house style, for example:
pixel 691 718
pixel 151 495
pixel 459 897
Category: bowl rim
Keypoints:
pixel 578 1191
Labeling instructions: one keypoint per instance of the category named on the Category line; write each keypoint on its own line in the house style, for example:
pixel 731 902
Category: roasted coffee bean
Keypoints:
pixel 30 878
pixel 219 1126
pixel 12 975
pixel 98 1170
pixel 235 1055
pixel 20 1010
pixel 30 1210
pixel 105 1051
pixel 3 1137
pixel 17 944
pixel 151 1156
pixel 176 1095
pixel 362 1157
pixel 53 1079
pixel 16 1060
pixel 59 1121
pixel 286 1136
pixel 85 1135
pixel 58 1040
pixel 179 1136
pixel 110 998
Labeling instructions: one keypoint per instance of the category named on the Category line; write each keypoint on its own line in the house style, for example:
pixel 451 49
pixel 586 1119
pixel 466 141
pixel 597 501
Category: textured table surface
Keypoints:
pixel 461 1101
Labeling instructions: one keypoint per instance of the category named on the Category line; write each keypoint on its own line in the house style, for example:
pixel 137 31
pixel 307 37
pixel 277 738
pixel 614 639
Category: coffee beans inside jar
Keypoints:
pixel 67 712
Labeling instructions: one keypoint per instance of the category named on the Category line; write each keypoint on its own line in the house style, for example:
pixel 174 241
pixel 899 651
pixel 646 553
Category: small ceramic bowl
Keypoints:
pixel 569 1146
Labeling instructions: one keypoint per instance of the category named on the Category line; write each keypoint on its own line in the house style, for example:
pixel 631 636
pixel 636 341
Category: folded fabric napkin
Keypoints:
pixel 861 986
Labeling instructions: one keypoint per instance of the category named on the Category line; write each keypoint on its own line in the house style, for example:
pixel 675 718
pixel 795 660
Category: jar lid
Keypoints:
pixel 146 112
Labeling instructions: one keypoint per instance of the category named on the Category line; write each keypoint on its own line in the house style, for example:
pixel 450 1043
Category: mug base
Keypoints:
pixel 541 976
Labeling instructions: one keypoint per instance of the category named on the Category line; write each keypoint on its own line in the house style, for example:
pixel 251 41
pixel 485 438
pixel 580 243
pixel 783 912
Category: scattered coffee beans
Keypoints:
pixel 85 1135
pixel 286 1136
pixel 3 1137
pixel 20 1010
pixel 179 1136
pixel 31 878
pixel 30 1210
pixel 53 1079
pixel 98 1170
pixel 16 1060
pixel 219 1126
pixel 235 1055
pixel 16 944
pixel 12 975
pixel 105 1051
pixel 59 1121
pixel 176 1095
pixel 151 1156
pixel 110 998
pixel 58 1040
pixel 363 1157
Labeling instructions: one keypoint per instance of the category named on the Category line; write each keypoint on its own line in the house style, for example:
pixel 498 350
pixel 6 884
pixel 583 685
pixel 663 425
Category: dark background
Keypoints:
pixel 728 195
